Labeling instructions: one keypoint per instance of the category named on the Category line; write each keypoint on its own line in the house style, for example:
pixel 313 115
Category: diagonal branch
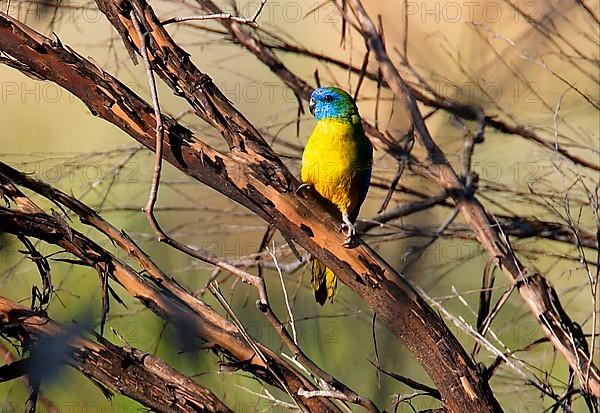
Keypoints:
pixel 263 187
pixel 535 289
pixel 166 298
pixel 178 71
pixel 119 369
pixel 263 49
pixel 90 217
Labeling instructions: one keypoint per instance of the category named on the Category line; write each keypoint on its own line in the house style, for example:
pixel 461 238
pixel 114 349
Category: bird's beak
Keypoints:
pixel 311 105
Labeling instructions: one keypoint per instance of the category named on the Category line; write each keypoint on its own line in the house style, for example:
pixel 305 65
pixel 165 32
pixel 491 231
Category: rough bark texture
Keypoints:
pixel 538 293
pixel 535 289
pixel 128 371
pixel 168 300
pixel 253 176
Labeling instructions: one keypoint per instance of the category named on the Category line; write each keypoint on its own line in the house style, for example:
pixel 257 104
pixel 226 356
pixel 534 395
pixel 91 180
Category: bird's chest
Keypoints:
pixel 330 152
pixel 331 160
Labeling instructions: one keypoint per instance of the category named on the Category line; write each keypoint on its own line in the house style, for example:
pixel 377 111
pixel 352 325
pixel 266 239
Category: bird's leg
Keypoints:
pixel 349 230
pixel 301 190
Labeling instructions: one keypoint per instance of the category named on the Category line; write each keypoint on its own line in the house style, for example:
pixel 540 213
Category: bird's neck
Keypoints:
pixel 352 121
pixel 337 131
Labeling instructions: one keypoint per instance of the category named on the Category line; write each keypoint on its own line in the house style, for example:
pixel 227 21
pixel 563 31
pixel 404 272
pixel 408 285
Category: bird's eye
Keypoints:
pixel 328 98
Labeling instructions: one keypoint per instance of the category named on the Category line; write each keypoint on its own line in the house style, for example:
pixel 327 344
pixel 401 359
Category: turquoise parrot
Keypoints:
pixel 337 163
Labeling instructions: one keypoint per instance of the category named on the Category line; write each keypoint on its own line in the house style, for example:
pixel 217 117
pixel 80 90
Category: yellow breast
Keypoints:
pixel 329 162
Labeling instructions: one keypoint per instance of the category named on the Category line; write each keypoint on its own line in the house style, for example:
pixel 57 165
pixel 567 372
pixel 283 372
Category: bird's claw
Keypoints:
pixel 349 231
pixel 348 242
pixel 302 189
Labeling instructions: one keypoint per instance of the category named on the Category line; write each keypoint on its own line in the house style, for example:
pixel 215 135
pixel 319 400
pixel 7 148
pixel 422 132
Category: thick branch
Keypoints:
pixel 168 299
pixel 259 187
pixel 535 289
pixel 205 323
pixel 90 217
pixel 122 370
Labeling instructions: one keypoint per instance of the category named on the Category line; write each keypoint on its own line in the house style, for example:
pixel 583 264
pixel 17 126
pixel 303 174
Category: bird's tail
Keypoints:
pixel 323 281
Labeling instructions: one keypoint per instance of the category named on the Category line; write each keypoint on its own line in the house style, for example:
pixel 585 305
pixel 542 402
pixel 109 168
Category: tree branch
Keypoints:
pixel 535 289
pixel 166 297
pixel 253 176
pixel 122 370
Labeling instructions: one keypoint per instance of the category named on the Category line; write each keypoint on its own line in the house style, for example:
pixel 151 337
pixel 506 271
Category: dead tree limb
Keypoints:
pixel 539 295
pixel 535 289
pixel 90 217
pixel 164 296
pixel 253 176
pixel 120 369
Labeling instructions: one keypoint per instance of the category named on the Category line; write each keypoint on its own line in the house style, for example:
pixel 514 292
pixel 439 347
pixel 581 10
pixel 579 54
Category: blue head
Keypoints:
pixel 332 103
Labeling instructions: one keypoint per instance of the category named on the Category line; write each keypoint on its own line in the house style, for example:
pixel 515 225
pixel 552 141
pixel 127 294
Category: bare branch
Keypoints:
pixel 220 16
pixel 119 369
pixel 166 297
pixel 537 292
pixel 263 185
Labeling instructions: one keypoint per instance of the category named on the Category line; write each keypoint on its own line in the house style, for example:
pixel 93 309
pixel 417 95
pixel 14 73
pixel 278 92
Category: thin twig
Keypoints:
pixel 220 16
pixel 214 289
pixel 326 393
pixel 377 362
pixel 149 209
pixel 285 294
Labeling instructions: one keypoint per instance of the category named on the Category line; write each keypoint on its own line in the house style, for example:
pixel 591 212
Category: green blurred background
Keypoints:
pixel 48 132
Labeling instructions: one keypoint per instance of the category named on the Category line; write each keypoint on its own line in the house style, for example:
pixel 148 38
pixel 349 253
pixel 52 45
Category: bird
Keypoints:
pixel 337 163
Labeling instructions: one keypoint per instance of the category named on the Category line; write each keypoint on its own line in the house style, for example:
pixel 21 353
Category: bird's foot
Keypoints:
pixel 349 231
pixel 303 189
